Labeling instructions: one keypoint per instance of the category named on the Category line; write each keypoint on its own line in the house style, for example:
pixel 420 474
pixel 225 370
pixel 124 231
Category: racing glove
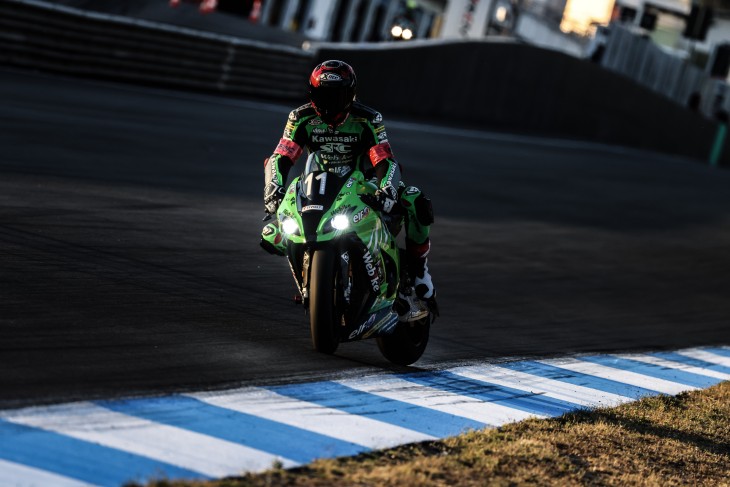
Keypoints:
pixel 273 194
pixel 380 201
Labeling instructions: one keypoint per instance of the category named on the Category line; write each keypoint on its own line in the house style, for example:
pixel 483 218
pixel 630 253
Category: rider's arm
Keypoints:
pixel 381 156
pixel 276 167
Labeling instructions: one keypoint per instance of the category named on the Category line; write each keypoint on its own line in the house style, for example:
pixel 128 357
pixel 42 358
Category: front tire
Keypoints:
pixel 323 319
pixel 407 343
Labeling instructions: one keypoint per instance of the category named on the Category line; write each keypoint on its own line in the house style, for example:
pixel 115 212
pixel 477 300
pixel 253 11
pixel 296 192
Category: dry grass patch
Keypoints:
pixel 659 441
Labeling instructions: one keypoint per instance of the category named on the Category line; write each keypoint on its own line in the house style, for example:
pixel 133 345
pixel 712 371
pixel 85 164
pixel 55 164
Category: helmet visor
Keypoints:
pixel 332 101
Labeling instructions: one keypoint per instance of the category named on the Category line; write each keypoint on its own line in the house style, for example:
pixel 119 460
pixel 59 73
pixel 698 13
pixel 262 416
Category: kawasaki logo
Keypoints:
pixel 334 138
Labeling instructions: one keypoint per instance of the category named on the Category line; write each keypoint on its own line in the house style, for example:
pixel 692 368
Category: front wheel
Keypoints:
pixel 323 319
pixel 407 343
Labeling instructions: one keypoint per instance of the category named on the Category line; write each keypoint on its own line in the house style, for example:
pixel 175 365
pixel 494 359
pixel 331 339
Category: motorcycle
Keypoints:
pixel 346 262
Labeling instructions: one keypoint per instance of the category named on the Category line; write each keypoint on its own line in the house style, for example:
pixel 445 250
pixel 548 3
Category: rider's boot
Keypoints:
pixel 421 297
pixel 423 285
pixel 409 307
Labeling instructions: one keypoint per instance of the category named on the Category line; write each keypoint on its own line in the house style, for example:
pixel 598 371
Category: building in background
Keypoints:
pixel 695 29
pixel 349 20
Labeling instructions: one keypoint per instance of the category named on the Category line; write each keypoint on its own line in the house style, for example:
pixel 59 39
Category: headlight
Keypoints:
pixel 340 222
pixel 290 226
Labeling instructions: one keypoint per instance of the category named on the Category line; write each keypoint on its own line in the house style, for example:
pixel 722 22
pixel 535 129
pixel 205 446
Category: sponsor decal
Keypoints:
pixel 313 208
pixel 378 118
pixel 288 148
pixel 360 215
pixel 345 257
pixel 315 121
pixel 289 130
pixel 383 326
pixel 267 231
pixel 372 271
pixel 350 183
pixel 380 152
pixel 360 329
pixel 319 130
pixel 292 116
pixel 330 77
pixel 341 171
pixel 382 137
pixel 332 147
pixel 344 139
pixel 333 158
pixel 412 190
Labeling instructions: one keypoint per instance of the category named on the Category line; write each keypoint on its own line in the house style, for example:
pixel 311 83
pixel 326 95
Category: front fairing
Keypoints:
pixel 321 208
pixel 313 201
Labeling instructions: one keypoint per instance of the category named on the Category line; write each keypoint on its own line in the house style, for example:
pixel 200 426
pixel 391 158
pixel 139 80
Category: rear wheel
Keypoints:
pixel 407 343
pixel 323 316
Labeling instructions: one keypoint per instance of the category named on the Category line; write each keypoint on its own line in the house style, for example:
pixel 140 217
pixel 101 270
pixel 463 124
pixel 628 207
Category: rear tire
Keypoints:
pixel 323 320
pixel 407 343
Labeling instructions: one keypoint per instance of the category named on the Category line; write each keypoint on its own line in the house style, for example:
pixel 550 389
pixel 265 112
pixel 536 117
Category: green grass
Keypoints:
pixel 658 441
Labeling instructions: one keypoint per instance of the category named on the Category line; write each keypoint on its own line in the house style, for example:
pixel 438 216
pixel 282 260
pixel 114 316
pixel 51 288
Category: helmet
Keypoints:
pixel 332 87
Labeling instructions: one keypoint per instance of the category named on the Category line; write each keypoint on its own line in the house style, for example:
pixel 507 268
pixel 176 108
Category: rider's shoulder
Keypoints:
pixel 303 113
pixel 368 114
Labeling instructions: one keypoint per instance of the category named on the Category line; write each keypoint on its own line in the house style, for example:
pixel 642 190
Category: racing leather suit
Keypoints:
pixel 359 142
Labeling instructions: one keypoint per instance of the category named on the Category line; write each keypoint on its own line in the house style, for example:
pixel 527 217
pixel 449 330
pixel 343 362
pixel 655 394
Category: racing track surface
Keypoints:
pixel 129 258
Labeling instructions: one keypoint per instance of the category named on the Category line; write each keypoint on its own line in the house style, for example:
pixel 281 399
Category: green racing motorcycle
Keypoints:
pixel 346 262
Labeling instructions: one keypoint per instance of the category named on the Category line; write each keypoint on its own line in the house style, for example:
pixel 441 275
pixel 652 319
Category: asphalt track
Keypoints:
pixel 129 257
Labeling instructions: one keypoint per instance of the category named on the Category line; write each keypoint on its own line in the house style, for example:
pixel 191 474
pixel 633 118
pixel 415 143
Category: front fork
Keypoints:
pixel 301 273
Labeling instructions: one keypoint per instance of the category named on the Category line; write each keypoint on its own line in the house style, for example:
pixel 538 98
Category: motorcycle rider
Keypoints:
pixel 352 134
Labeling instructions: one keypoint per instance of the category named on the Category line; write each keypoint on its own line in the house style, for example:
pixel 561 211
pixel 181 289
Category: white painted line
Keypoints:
pixel 706 356
pixel 675 365
pixel 16 475
pixel 187 449
pixel 446 402
pixel 627 377
pixel 583 396
pixel 313 417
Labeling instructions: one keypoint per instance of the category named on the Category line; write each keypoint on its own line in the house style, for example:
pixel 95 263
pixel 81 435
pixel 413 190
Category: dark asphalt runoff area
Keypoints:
pixel 129 258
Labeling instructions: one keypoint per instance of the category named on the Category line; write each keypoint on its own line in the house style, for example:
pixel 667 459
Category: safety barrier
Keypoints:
pixel 71 41
pixel 520 88
pixel 499 86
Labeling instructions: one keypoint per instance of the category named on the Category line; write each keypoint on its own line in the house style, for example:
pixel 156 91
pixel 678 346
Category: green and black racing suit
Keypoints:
pixel 359 142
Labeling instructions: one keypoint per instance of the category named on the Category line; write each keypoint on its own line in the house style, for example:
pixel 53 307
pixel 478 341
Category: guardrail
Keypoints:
pixel 71 41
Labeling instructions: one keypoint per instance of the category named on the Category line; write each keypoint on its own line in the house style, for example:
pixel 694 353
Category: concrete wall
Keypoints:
pixel 521 88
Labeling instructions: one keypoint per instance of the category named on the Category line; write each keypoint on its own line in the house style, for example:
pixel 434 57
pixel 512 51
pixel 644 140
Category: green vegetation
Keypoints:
pixel 658 441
